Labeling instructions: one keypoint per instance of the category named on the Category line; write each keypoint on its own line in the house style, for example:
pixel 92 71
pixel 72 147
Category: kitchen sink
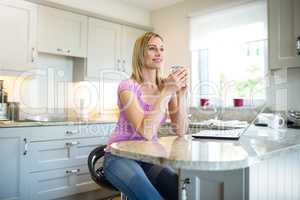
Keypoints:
pixel 46 118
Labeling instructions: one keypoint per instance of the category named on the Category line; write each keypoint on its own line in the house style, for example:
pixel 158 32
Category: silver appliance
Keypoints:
pixel 3 102
pixel 293 119
pixel 13 111
pixel 3 111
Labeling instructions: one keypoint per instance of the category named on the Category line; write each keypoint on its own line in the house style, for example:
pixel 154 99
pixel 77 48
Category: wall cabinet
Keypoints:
pixel 17 35
pixel 33 28
pixel 129 37
pixel 61 32
pixel 110 49
pixel 50 163
pixel 104 48
pixel 284 29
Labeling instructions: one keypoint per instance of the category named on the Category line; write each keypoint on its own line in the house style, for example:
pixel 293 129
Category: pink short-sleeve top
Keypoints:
pixel 124 129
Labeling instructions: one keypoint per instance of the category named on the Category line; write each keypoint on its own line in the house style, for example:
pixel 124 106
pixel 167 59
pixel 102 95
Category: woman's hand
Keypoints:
pixel 182 91
pixel 176 81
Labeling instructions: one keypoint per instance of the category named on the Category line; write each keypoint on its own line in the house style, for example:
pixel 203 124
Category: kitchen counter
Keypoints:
pixel 203 154
pixel 69 121
pixel 261 162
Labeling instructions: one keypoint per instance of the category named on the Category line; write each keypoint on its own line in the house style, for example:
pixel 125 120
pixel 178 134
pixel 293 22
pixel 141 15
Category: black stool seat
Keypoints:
pixel 97 174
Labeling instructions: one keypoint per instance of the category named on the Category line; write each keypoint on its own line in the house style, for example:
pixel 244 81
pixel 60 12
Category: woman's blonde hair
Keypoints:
pixel 140 46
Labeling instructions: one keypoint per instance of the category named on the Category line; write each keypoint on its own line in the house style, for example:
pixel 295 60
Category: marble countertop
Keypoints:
pixel 256 145
pixel 69 121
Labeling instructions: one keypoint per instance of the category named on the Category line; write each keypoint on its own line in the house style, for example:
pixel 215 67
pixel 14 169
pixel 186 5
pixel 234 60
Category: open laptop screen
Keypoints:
pixel 223 133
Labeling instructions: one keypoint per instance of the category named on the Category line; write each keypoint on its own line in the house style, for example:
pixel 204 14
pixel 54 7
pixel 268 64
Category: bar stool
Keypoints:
pixel 97 173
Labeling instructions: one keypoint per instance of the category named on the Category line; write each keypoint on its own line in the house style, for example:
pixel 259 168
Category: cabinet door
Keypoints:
pixel 128 40
pixel 47 155
pixel 17 35
pixel 61 32
pixel 284 28
pixel 12 169
pixel 103 48
pixel 61 182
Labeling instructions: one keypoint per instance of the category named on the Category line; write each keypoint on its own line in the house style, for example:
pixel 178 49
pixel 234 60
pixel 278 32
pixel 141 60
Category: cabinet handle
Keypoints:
pixel 32 54
pixel 25 146
pixel 63 50
pixel 123 66
pixel 72 132
pixel 72 171
pixel 184 188
pixel 118 64
pixel 68 144
pixel 298 45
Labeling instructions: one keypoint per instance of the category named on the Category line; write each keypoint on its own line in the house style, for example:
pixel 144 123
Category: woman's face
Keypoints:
pixel 153 57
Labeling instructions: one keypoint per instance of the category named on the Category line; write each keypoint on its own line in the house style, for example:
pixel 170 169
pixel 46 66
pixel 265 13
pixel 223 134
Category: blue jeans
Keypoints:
pixel 139 180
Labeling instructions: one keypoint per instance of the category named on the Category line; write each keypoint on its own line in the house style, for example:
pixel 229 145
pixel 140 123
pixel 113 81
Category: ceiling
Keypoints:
pixel 152 4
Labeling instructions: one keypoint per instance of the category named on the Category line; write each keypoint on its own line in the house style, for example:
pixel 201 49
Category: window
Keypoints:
pixel 229 55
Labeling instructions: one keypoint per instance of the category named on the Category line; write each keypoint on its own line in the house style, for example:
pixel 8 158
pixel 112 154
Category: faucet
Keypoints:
pixel 190 117
pixel 218 112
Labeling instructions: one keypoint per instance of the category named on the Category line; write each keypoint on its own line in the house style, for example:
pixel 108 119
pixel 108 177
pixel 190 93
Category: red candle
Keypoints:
pixel 204 102
pixel 238 102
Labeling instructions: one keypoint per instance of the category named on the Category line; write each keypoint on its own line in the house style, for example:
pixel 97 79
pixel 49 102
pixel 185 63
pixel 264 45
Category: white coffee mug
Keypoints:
pixel 274 121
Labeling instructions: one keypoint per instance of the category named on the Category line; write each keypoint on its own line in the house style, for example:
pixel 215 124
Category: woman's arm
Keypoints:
pixel 145 123
pixel 178 113
pixel 182 116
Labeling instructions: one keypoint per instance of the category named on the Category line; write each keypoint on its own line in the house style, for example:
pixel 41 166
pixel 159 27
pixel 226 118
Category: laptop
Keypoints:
pixel 232 134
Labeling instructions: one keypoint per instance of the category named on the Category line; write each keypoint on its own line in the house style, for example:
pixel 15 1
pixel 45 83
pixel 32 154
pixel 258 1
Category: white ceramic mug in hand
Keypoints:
pixel 174 68
pixel 274 121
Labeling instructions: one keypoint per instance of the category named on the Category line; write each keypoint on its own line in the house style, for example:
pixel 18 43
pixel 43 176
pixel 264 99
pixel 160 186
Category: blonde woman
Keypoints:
pixel 144 101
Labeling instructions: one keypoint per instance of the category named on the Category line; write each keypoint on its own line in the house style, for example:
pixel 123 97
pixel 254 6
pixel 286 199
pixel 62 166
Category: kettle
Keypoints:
pixel 13 111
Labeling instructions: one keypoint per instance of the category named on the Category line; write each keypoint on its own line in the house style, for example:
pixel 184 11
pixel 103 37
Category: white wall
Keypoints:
pixel 48 89
pixel 37 89
pixel 111 8
pixel 284 94
pixel 172 23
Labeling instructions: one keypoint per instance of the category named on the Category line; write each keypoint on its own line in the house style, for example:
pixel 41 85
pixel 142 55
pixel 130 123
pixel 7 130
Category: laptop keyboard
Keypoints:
pixel 219 133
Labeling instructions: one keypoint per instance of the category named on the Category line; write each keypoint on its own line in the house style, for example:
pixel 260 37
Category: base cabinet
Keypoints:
pixel 36 165
pixel 275 178
pixel 12 168
pixel 56 183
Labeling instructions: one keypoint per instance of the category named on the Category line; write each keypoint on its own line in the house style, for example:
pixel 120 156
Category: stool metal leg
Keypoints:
pixel 123 197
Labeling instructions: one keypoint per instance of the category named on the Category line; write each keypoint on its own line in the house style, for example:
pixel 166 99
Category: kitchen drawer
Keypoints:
pixel 71 131
pixel 45 155
pixel 62 182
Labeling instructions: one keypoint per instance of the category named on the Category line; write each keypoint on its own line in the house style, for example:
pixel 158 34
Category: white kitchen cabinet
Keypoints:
pixel 13 158
pixel 18 35
pixel 61 182
pixel 51 162
pixel 59 168
pixel 129 37
pixel 110 48
pixel 47 155
pixel 104 49
pixel 61 32
pixel 284 29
